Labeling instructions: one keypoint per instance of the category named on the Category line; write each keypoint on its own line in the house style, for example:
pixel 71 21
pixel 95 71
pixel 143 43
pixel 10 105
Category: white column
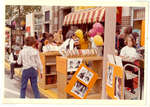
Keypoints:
pixel 60 18
pixel 32 24
pixel 132 12
pixel 109 41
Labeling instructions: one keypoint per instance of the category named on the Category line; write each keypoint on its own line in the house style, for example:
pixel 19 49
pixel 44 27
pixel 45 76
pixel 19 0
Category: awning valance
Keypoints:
pixel 85 16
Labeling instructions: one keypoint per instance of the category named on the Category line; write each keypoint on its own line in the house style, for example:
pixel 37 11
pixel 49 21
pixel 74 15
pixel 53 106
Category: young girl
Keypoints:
pixel 129 55
pixel 129 52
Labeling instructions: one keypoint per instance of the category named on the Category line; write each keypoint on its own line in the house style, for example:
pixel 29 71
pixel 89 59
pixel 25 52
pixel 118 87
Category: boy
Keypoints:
pixel 30 59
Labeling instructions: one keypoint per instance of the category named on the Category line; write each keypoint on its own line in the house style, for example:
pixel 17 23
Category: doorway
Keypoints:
pixel 47 28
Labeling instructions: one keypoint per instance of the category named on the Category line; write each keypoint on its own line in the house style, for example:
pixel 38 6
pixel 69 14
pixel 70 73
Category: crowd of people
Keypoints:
pixel 48 41
pixel 127 41
pixel 29 58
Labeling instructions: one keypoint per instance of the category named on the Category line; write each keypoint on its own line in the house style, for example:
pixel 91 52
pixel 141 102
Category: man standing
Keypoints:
pixel 30 59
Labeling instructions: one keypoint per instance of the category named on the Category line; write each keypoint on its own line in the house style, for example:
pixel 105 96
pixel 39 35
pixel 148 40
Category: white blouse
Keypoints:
pixel 129 52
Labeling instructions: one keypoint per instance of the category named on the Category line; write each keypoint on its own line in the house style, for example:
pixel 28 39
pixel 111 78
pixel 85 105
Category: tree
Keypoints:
pixel 19 10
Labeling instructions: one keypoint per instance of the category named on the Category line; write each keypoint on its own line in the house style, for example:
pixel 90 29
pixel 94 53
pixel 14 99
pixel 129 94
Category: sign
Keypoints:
pixel 110 71
pixel 118 61
pixel 114 81
pixel 30 23
pixel 73 64
pixel 81 82
pixel 111 58
pixel 28 29
pixel 77 8
pixel 143 33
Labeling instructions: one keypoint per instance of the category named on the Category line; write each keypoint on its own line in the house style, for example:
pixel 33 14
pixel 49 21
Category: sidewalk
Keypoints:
pixel 47 93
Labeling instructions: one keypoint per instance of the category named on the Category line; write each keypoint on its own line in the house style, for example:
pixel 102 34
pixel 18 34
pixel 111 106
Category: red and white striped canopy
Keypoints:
pixel 85 16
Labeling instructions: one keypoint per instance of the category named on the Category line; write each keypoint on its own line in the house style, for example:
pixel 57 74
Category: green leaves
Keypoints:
pixel 19 10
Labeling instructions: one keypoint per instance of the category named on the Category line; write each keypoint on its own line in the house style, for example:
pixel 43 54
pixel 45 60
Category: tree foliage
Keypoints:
pixel 21 11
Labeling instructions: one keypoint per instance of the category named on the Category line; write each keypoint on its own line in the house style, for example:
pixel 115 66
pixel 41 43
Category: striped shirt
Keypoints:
pixel 29 57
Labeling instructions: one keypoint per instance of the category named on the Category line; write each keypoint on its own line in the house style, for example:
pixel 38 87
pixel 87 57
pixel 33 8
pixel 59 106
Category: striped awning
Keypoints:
pixel 85 16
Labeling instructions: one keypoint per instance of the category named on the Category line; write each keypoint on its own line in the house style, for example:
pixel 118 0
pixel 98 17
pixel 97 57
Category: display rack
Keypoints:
pixel 62 75
pixel 49 77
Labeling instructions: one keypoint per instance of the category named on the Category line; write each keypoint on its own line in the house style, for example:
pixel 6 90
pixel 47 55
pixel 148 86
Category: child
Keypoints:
pixel 129 55
pixel 30 59
pixel 129 52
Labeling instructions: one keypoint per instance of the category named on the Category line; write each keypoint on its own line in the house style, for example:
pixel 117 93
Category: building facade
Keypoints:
pixel 53 17
pixel 133 16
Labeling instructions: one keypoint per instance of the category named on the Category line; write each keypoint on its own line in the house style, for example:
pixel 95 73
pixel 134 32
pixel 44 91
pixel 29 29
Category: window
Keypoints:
pixel 47 28
pixel 47 15
pixel 139 13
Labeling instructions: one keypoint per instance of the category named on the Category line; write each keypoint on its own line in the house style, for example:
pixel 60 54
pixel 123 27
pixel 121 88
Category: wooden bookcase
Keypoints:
pixel 61 67
pixel 49 78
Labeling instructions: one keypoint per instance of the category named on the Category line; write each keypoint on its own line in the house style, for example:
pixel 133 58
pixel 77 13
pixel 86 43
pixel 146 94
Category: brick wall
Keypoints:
pixel 126 21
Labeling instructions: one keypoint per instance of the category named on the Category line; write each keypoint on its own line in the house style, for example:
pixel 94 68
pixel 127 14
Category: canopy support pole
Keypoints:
pixel 109 41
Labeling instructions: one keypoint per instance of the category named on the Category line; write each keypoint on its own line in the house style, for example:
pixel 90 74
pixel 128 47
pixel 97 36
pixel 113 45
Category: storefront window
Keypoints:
pixel 139 13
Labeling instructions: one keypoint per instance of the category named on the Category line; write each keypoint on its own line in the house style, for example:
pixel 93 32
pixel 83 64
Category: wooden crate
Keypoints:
pixel 61 68
pixel 49 78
